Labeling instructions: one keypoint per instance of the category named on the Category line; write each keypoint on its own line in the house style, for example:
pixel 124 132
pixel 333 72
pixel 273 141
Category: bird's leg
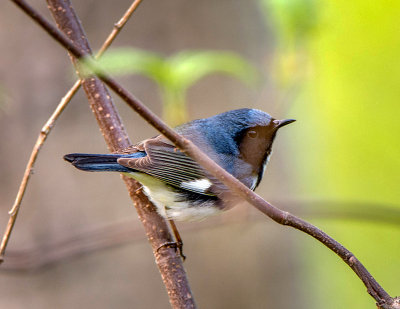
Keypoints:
pixel 178 239
pixel 177 244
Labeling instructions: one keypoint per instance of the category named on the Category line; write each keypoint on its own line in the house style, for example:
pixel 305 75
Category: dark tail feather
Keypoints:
pixel 97 162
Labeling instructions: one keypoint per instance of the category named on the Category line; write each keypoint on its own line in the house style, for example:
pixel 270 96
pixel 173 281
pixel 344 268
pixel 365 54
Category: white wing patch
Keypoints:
pixel 253 183
pixel 198 185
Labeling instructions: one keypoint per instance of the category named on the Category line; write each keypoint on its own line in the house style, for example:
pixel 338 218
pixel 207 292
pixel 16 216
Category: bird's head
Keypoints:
pixel 253 131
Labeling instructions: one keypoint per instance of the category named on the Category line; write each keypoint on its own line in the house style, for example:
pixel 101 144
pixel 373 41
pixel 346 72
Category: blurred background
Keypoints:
pixel 332 65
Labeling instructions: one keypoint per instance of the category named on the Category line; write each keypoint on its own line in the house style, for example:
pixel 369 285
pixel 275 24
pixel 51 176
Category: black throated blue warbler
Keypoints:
pixel 240 141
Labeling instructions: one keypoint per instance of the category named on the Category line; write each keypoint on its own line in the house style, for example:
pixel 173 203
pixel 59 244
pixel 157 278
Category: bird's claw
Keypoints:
pixel 178 246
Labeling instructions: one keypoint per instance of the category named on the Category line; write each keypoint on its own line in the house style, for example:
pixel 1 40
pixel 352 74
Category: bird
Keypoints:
pixel 240 141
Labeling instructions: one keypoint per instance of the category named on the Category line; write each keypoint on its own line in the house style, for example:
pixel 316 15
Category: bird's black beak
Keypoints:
pixel 284 122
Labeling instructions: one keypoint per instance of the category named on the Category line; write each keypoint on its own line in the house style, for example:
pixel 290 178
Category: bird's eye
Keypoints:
pixel 252 134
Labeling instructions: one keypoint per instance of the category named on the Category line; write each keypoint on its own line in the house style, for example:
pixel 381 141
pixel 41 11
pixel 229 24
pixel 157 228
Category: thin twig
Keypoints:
pixel 44 132
pixel 374 289
pixel 49 125
pixel 28 170
pixel 118 27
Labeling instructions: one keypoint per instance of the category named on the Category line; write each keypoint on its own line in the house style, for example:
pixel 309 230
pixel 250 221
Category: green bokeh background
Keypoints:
pixel 347 141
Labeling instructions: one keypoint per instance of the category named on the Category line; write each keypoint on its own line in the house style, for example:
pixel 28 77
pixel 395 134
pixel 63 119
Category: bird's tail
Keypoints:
pixel 97 162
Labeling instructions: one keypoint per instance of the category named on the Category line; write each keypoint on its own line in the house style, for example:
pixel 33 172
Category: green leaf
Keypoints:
pixel 181 70
pixel 134 61
pixel 190 66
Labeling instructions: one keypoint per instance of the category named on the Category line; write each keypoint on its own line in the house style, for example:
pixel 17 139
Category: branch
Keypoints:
pixel 374 289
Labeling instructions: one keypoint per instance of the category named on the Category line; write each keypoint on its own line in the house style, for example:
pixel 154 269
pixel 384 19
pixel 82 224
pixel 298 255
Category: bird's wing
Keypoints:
pixel 167 163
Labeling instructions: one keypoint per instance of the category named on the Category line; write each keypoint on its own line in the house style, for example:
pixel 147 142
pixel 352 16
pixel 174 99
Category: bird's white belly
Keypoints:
pixel 168 202
pixel 169 206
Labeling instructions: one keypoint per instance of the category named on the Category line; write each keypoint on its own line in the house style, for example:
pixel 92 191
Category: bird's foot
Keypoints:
pixel 178 246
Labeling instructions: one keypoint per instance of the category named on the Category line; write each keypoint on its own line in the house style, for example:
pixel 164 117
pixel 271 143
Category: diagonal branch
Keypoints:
pixel 374 289
pixel 45 131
